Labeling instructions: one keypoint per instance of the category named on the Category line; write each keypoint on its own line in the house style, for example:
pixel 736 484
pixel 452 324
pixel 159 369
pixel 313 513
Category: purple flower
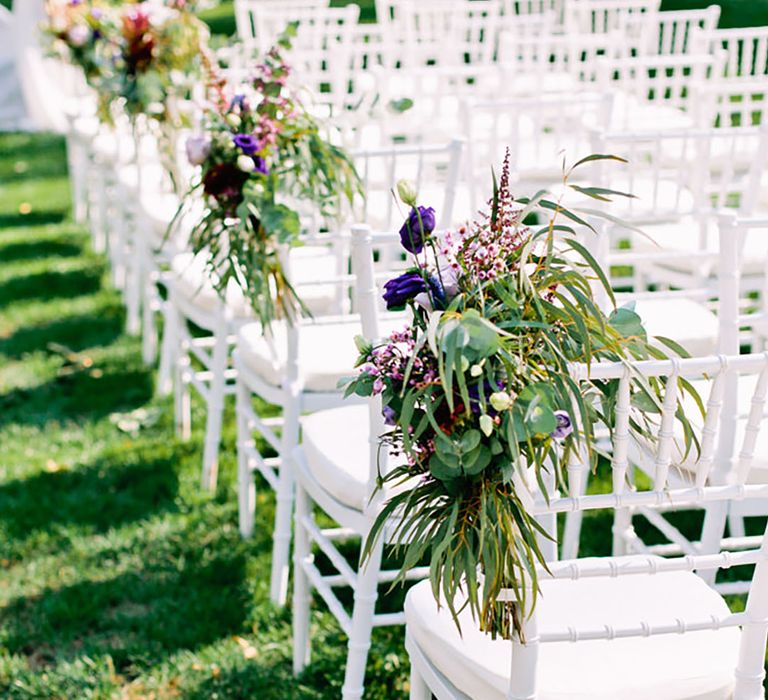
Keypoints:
pixel 419 224
pixel 247 143
pixel 198 149
pixel 402 289
pixel 564 426
pixel 261 165
pixel 389 415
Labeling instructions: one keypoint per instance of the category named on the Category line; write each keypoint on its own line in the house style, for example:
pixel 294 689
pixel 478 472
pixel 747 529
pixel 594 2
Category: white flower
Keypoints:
pixel 486 424
pixel 78 35
pixel 234 120
pixel 407 192
pixel 246 164
pixel 500 400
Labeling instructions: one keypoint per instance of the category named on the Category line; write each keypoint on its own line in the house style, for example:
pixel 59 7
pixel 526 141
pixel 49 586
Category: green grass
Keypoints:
pixel 118 577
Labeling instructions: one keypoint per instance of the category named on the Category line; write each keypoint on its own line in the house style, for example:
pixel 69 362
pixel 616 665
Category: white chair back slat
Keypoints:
pixel 710 430
pixel 621 436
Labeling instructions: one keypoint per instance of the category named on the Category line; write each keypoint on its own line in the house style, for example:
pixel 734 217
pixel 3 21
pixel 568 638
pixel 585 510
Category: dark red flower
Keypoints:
pixel 225 181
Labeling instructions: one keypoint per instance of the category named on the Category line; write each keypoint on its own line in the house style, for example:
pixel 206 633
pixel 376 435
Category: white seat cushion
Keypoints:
pixel 685 321
pixel 336 449
pixel 306 264
pixel 696 665
pixel 327 351
pixel 686 236
pixel 191 281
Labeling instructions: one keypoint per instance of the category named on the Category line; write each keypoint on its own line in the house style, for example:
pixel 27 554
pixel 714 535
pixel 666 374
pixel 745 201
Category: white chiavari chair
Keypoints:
pixel 634 627
pixel 681 179
pixel 297 368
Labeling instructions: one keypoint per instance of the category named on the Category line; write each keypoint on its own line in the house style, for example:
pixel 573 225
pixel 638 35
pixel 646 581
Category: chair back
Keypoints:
pixel 746 49
pixel 539 132
pixel 718 175
pixel 684 31
pixel 451 32
pixel 247 17
pixel 543 62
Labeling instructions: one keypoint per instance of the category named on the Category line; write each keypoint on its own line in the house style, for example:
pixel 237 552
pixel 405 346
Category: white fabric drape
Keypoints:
pixel 46 84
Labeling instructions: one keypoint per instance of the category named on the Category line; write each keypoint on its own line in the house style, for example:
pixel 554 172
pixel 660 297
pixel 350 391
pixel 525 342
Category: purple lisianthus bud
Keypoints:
pixel 420 223
pixel 261 165
pixel 247 143
pixel 400 290
pixel 240 102
pixel 198 149
pixel 389 415
pixel 564 426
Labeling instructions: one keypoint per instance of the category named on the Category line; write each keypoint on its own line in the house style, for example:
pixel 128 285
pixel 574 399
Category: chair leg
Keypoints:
pixel 148 306
pixel 282 535
pixel 246 485
pixel 215 410
pixel 366 593
pixel 133 276
pixel 167 350
pixel 419 688
pixel 301 589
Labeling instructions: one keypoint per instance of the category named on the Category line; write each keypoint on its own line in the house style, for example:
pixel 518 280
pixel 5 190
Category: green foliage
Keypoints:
pixel 264 161
pixel 480 392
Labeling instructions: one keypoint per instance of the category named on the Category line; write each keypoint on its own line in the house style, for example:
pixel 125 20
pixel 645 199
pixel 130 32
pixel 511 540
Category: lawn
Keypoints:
pixel 119 578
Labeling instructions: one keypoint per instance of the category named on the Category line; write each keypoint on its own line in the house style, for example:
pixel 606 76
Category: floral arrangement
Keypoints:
pixel 134 53
pixel 262 156
pixel 476 389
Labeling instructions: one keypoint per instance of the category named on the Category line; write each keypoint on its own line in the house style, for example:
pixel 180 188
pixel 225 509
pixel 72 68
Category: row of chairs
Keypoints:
pixel 683 177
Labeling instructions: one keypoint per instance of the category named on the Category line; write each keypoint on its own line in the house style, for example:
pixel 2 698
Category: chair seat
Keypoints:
pixel 192 282
pixel 695 665
pixel 327 351
pixel 686 236
pixel 336 448
pixel 685 321
pixel 307 264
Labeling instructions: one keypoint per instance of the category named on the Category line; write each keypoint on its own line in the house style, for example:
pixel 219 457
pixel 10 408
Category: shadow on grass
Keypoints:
pixel 117 489
pixel 138 618
pixel 65 247
pixel 34 218
pixel 77 396
pixel 52 284
pixel 75 332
